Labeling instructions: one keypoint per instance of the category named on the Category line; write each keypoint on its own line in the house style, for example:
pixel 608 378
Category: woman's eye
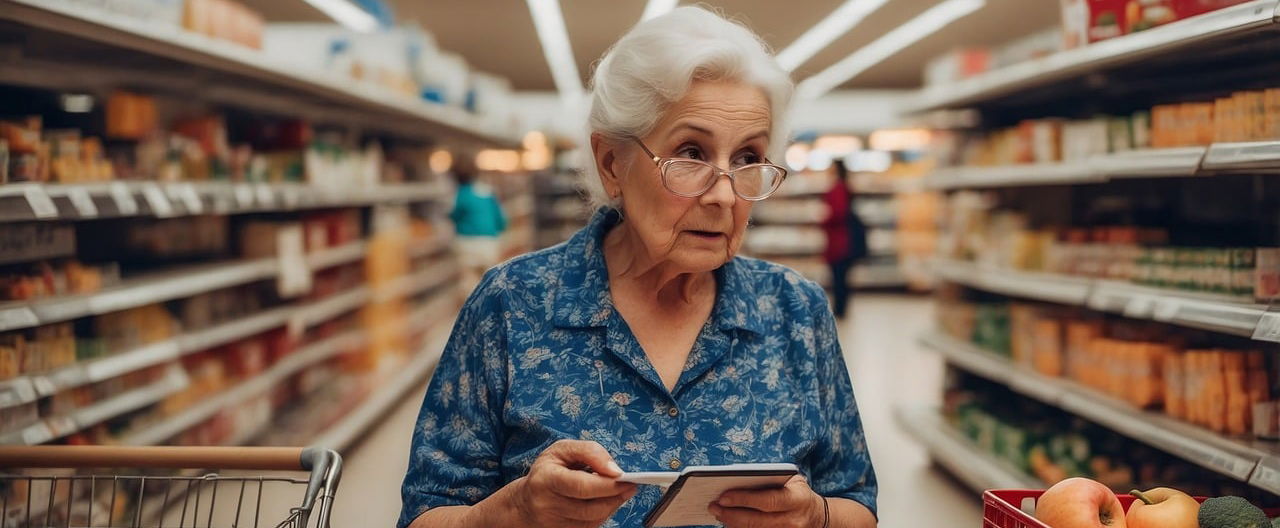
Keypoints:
pixel 689 152
pixel 747 158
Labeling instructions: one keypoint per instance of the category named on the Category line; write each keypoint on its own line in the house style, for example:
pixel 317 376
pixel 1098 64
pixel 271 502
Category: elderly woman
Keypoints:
pixel 643 342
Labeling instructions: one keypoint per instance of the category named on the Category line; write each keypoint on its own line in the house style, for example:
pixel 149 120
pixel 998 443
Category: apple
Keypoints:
pixel 1163 508
pixel 1078 502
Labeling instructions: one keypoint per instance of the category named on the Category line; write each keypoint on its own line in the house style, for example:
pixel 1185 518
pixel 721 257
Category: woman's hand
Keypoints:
pixel 558 493
pixel 792 506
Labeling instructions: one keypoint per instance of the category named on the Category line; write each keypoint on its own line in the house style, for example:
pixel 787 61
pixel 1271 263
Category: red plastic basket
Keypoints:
pixel 1003 508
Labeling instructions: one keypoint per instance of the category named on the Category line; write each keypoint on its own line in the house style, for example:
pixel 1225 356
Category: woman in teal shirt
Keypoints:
pixel 478 219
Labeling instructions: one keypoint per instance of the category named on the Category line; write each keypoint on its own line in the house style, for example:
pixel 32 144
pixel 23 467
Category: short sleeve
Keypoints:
pixel 840 462
pixel 455 454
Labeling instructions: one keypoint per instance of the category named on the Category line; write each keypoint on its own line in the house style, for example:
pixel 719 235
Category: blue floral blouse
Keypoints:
pixel 539 354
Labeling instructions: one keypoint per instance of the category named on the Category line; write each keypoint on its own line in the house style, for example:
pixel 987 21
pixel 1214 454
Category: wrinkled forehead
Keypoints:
pixel 720 109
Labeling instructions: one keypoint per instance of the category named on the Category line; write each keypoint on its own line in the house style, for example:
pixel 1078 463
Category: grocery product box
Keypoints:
pixel 1267 274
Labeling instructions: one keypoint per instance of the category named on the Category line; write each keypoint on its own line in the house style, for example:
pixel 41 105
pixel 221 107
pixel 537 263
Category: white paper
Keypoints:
pixel 652 478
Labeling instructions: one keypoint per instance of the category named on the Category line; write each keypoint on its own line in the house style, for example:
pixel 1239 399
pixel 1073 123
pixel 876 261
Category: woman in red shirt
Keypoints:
pixel 846 236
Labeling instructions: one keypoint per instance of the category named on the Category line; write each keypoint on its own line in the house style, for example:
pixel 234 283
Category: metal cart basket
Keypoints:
pixel 65 487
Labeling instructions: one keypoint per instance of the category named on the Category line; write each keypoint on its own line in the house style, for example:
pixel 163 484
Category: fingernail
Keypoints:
pixel 724 502
pixel 613 466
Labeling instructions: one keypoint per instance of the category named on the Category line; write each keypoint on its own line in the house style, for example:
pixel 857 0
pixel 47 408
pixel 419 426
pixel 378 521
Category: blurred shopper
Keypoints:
pixel 480 222
pixel 846 237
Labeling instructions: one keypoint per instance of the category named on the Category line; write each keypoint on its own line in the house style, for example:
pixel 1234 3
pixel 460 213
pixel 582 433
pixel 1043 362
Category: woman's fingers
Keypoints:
pixel 575 484
pixel 574 453
pixel 796 494
pixel 595 509
pixel 751 518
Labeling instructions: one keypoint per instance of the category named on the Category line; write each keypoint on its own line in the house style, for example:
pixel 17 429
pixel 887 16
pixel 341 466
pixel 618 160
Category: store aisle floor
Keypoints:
pixel 887 368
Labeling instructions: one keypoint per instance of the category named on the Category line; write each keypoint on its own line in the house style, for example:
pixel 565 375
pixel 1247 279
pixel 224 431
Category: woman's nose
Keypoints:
pixel 721 192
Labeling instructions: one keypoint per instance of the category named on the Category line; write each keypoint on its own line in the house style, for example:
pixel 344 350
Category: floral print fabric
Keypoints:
pixel 539 354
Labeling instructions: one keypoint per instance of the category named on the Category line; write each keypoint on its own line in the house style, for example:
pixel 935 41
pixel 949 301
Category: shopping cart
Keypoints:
pixel 47 487
pixel 1011 508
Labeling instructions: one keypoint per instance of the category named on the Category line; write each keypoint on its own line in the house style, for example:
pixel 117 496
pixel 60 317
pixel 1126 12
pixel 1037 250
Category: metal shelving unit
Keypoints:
pixel 1244 460
pixel 975 467
pixel 1179 37
pixel 35 201
pixel 161 286
pixel 1219 313
pixel 318 91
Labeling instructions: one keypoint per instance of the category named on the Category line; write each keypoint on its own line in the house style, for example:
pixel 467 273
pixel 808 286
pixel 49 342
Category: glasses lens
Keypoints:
pixel 686 177
pixel 757 182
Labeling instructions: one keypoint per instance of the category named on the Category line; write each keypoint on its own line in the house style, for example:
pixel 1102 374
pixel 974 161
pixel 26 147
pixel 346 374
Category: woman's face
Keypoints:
pixel 726 124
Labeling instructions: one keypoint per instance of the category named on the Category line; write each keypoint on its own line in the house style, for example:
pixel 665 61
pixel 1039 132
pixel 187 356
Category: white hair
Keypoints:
pixel 653 65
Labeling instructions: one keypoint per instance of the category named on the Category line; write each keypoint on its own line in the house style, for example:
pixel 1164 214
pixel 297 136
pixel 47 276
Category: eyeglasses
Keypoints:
pixel 692 178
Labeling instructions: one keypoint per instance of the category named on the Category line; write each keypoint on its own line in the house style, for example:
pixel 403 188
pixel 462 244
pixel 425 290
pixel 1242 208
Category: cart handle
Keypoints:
pixel 184 457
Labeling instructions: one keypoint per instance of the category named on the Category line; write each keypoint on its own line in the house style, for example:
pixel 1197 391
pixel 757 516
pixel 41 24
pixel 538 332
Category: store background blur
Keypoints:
pixel 248 222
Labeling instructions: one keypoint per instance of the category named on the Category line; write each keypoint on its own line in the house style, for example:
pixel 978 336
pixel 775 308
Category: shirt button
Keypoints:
pixel 675 463
pixel 673 412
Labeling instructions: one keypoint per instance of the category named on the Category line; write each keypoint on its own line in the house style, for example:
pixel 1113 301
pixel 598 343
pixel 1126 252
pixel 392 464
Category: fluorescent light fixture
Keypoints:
pixel 549 22
pixel 346 13
pixel 823 33
pixel 923 25
pixel 657 8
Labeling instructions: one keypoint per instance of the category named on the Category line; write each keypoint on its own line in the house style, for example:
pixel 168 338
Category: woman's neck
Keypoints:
pixel 631 268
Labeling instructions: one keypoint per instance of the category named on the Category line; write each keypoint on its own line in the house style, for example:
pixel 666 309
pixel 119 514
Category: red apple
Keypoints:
pixel 1080 503
pixel 1163 508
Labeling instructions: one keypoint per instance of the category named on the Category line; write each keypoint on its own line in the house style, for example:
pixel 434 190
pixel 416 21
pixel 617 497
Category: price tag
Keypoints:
pixel 190 198
pixel 1268 328
pixel 1166 310
pixel 40 202
pixel 123 197
pixel 44 385
pixel 20 317
pixel 83 203
pixel 292 196
pixel 157 201
pixel 1267 475
pixel 223 200
pixel 294 278
pixel 266 198
pixel 1139 306
pixel 244 195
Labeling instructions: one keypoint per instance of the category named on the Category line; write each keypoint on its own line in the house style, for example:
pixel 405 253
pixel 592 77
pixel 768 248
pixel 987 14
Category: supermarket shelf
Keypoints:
pixel 345 433
pixel 1229 456
pixel 1219 313
pixel 416 283
pixel 1259 156
pixel 92 371
pixel 1040 286
pixel 273 376
pixel 161 286
pixel 1173 162
pixel 34 201
pixel 174 380
pixel 431 246
pixel 215 58
pixel 977 468
pixel 1168 40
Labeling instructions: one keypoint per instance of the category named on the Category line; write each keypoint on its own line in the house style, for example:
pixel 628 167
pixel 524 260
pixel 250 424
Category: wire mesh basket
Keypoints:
pixel 52 487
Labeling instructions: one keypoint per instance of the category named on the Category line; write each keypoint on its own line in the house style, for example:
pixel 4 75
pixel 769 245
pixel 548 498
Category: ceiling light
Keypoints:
pixel 823 33
pixel 346 13
pixel 886 46
pixel 797 156
pixel 656 8
pixel 549 22
pixel 440 161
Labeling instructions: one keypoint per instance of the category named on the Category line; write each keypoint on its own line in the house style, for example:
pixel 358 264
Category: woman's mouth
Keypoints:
pixel 708 235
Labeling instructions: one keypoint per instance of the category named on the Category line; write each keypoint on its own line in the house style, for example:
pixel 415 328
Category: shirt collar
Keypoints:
pixel 583 300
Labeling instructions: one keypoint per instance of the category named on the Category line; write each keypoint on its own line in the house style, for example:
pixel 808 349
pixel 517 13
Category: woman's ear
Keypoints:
pixel 605 153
